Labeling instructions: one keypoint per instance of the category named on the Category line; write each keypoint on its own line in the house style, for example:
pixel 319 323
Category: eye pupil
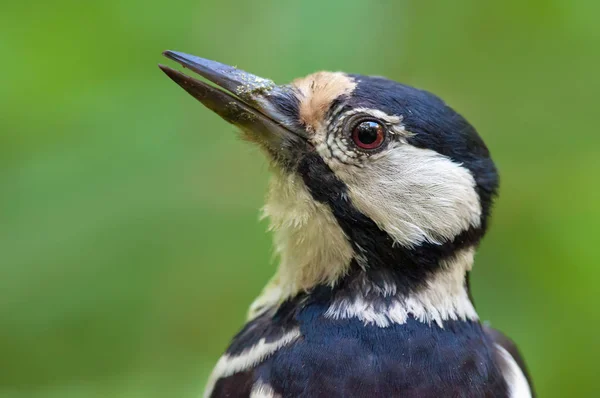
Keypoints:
pixel 367 132
pixel 368 135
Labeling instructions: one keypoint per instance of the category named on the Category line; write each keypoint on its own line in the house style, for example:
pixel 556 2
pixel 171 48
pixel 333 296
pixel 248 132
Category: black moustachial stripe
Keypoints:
pixel 410 266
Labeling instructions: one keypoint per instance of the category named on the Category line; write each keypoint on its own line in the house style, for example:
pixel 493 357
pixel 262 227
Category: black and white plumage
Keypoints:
pixel 379 197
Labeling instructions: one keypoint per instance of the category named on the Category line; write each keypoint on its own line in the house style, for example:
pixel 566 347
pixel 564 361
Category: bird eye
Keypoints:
pixel 368 135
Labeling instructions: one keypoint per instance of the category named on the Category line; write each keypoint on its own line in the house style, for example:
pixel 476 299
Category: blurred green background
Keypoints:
pixel 130 245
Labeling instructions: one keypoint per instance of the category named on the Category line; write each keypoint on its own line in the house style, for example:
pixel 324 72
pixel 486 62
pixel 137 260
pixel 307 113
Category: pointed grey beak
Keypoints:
pixel 250 102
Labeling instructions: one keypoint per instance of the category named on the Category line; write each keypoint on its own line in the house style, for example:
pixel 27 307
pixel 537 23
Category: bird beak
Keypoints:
pixel 245 100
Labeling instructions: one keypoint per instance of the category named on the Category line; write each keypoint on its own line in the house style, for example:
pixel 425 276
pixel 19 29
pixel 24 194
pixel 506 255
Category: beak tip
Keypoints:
pixel 184 81
pixel 169 54
pixel 179 57
pixel 168 71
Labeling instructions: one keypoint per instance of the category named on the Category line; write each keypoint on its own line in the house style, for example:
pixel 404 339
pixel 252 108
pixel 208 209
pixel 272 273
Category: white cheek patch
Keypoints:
pixel 247 359
pixel 416 195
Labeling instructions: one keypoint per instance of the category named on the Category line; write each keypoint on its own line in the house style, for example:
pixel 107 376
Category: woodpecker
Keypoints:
pixel 380 194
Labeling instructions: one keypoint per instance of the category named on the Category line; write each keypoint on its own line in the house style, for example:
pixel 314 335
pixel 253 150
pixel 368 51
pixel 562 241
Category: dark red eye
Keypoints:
pixel 368 135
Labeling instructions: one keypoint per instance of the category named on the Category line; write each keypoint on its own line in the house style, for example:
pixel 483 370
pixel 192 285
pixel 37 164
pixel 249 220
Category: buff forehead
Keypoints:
pixel 316 94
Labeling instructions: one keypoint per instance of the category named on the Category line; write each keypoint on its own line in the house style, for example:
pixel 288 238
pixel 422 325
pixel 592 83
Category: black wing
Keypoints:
pixel 237 385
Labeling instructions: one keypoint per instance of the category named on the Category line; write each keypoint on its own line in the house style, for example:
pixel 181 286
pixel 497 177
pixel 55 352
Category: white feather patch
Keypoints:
pixel 444 297
pixel 263 390
pixel 518 387
pixel 271 295
pixel 228 365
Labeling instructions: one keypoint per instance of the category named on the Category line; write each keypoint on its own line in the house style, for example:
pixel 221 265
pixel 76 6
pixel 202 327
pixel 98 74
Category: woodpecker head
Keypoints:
pixel 368 173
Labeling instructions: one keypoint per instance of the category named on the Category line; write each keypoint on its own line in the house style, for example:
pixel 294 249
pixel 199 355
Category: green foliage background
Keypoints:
pixel 130 244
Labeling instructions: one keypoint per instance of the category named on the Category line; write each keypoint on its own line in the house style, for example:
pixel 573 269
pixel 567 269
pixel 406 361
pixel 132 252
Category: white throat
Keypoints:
pixel 310 244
